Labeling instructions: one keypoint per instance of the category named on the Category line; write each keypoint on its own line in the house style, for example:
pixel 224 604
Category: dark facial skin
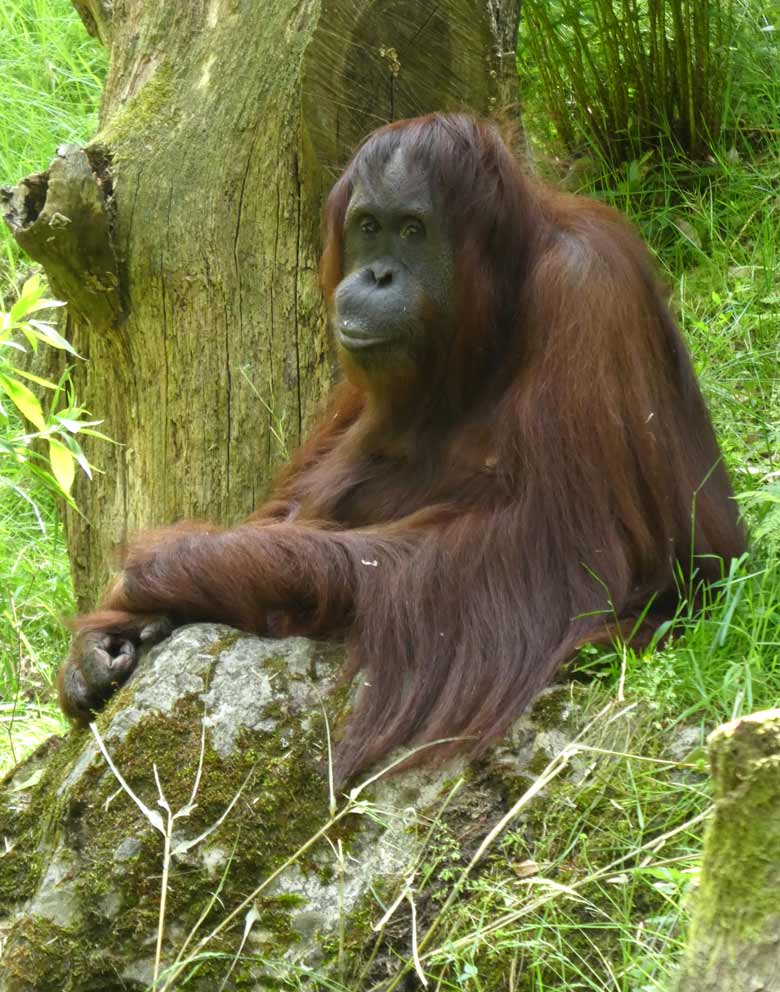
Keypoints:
pixel 398 271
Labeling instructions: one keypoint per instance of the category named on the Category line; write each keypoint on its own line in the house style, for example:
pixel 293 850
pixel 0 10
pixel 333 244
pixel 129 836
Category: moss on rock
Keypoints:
pixel 80 886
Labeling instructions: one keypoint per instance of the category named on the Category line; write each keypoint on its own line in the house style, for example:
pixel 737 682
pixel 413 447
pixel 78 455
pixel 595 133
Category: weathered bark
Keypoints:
pixel 96 15
pixel 81 864
pixel 734 943
pixel 61 218
pixel 505 21
pixel 222 127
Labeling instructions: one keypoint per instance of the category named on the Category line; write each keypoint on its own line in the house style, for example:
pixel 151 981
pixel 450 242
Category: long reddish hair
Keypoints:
pixel 550 477
pixel 597 489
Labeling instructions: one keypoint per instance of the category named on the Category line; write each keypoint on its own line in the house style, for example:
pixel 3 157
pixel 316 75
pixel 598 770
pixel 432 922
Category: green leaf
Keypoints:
pixel 36 378
pixel 33 337
pixel 81 458
pixel 30 781
pixel 74 426
pixel 31 286
pixel 75 449
pixel 63 464
pixel 99 434
pixel 48 480
pixel 24 401
pixel 31 292
pixel 46 305
pixel 31 301
pixel 34 306
pixel 53 337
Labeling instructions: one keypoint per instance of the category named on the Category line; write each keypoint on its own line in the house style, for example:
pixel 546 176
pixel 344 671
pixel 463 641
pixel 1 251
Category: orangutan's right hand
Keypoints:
pixel 101 661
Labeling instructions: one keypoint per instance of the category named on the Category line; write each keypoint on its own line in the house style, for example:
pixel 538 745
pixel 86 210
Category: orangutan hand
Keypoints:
pixel 100 661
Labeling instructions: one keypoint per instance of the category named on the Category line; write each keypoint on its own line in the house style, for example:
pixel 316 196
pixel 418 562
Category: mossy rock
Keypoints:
pixel 81 864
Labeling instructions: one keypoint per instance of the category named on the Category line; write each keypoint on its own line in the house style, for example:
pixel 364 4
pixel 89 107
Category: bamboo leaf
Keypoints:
pixel 98 434
pixel 46 383
pixel 63 464
pixel 24 400
pixel 53 337
pixel 74 426
pixel 31 285
pixel 44 305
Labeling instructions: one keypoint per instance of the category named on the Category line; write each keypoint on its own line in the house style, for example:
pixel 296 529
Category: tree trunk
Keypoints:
pixel 505 22
pixel 186 237
pixel 734 943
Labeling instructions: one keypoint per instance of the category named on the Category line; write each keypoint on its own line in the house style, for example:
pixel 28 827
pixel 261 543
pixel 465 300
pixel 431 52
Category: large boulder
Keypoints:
pixel 189 830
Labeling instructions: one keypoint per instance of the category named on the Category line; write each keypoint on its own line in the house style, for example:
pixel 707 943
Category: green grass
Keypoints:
pixel 715 232
pixel 575 926
pixel 50 81
pixel 622 78
pixel 35 594
pixel 51 76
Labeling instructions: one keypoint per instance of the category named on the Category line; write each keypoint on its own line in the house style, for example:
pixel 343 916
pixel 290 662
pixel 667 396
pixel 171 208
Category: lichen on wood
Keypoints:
pixel 734 942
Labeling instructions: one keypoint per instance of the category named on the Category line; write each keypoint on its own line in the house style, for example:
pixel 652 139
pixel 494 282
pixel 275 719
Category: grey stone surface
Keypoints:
pixel 244 717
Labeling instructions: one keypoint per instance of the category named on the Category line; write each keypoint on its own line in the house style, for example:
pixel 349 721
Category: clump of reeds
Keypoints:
pixel 622 76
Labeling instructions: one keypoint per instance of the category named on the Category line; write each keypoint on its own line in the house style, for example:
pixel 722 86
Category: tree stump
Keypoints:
pixel 186 237
pixel 734 943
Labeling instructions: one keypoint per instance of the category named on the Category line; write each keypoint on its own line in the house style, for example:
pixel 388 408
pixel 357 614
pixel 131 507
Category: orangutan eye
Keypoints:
pixel 412 229
pixel 369 225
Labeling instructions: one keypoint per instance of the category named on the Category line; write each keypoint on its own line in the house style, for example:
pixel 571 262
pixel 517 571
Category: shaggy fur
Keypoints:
pixel 549 476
